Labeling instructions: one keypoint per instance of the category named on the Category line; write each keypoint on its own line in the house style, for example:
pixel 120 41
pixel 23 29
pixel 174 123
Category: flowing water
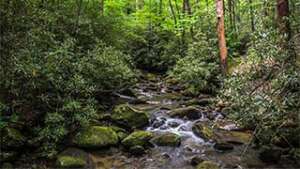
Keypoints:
pixel 159 100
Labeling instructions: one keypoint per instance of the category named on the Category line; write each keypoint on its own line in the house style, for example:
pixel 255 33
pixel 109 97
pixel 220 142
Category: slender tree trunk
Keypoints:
pixel 252 16
pixel 173 13
pixel 101 7
pixel 283 18
pixel 221 35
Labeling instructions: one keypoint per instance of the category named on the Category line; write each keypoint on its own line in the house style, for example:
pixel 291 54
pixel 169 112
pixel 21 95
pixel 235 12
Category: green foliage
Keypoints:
pixel 198 71
pixel 264 92
pixel 154 50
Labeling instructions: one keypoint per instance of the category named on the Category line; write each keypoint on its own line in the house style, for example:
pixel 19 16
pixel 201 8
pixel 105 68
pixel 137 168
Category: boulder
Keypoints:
pixel 72 158
pixel 129 117
pixel 200 102
pixel 207 165
pixel 196 160
pixel 96 137
pixel 138 138
pixel 223 146
pixel 167 139
pixel 137 150
pixel 203 130
pixel 122 133
pixel 7 166
pixel 190 112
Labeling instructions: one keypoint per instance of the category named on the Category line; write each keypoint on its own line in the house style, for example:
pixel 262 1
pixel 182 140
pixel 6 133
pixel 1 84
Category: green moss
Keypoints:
pixel 71 162
pixel 72 158
pixel 126 115
pixel 167 139
pixel 207 165
pixel 203 131
pixel 138 138
pixel 96 137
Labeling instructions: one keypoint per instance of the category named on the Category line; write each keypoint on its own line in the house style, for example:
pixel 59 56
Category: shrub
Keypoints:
pixel 264 93
pixel 154 50
pixel 198 71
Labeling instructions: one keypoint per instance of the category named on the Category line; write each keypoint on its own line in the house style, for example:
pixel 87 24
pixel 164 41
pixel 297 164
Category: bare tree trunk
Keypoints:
pixel 283 18
pixel 102 7
pixel 173 13
pixel 252 16
pixel 221 35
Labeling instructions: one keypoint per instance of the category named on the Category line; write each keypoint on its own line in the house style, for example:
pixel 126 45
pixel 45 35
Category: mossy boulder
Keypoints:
pixel 12 138
pixel 96 137
pixel 167 139
pixel 138 138
pixel 72 158
pixel 207 165
pixel 122 133
pixel 7 166
pixel 190 112
pixel 203 130
pixel 127 116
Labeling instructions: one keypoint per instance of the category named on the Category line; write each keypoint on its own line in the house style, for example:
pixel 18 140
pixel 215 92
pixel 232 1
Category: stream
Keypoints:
pixel 158 100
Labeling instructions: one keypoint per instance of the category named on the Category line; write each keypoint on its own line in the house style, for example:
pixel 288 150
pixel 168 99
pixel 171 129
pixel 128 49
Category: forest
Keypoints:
pixel 150 84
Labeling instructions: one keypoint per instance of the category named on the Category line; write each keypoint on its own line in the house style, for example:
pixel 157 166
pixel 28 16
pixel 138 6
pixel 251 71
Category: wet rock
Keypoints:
pixel 12 138
pixel 138 101
pixel 173 124
pixel 166 155
pixel 138 138
pixel 167 139
pixel 72 158
pixel 223 146
pixel 200 102
pixel 203 130
pixel 96 137
pixel 137 150
pixel 128 92
pixel 207 165
pixel 189 112
pixel 270 155
pixel 158 123
pixel 196 160
pixel 126 115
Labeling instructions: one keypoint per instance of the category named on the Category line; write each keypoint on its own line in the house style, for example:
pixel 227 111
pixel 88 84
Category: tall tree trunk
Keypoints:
pixel 188 10
pixel 173 13
pixel 101 7
pixel 252 16
pixel 221 35
pixel 283 18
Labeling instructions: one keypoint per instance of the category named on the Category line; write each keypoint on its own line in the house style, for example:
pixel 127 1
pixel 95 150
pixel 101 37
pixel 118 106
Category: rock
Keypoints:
pixel 200 102
pixel 96 137
pixel 233 137
pixel 196 160
pixel 72 158
pixel 8 156
pixel 129 117
pixel 223 146
pixel 173 124
pixel 137 150
pixel 207 165
pixel 189 112
pixel 12 138
pixel 138 138
pixel 122 133
pixel 203 130
pixel 167 139
pixel 270 155
pixel 157 123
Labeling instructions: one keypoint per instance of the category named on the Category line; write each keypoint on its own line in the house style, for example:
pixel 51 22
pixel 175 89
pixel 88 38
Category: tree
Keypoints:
pixel 221 35
pixel 282 17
